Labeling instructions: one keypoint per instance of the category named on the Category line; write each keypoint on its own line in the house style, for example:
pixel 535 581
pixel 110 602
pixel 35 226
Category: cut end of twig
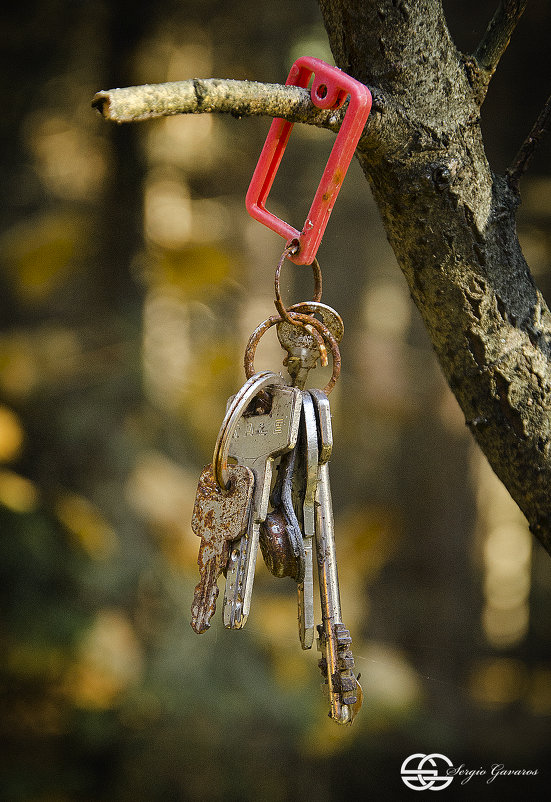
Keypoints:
pixel 101 103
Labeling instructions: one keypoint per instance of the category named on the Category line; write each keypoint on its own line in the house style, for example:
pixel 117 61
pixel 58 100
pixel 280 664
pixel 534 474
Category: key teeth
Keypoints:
pixel 348 683
pixel 203 608
pixel 344 681
pixel 342 634
pixel 199 628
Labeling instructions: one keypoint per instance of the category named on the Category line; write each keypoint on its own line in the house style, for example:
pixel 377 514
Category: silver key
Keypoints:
pixel 255 442
pixel 345 694
pixel 309 453
pixel 286 536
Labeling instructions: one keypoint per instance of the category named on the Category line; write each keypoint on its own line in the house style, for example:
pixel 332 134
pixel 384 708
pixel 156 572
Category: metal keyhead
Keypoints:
pixel 301 346
pixel 254 440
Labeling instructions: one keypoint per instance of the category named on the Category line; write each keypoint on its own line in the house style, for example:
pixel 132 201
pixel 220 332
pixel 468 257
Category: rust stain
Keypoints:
pixel 218 519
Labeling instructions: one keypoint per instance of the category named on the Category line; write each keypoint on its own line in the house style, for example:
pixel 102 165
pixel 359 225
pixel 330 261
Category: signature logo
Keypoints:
pixel 426 772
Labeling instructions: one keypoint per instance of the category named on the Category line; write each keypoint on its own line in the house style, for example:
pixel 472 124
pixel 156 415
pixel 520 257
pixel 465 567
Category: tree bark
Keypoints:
pixel 449 219
pixel 451 224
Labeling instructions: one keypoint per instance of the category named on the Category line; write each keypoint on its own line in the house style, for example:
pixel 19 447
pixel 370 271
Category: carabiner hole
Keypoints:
pixel 293 245
pixel 321 91
pixel 261 404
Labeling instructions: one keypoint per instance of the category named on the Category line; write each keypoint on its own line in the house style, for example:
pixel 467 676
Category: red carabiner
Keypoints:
pixel 330 88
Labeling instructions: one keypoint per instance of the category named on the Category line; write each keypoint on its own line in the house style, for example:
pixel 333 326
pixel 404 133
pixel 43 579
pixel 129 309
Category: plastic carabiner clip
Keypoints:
pixel 330 89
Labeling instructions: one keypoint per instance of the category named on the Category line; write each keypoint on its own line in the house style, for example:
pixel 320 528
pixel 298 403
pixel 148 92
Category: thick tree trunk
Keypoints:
pixel 451 223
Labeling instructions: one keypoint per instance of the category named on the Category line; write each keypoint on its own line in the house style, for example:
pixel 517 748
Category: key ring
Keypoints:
pixel 295 321
pixel 260 330
pixel 233 415
pixel 290 249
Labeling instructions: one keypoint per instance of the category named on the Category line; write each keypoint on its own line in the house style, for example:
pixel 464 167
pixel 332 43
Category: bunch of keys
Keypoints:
pixel 238 507
pixel 270 423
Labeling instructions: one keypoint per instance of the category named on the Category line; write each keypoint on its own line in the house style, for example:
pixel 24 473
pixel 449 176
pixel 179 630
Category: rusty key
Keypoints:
pixel 219 517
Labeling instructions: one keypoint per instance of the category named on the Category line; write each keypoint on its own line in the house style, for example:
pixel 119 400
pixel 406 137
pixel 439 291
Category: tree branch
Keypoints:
pixel 529 146
pixel 495 41
pixel 199 96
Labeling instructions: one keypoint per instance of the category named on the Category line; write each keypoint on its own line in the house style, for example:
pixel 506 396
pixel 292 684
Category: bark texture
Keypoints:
pixel 209 95
pixel 451 223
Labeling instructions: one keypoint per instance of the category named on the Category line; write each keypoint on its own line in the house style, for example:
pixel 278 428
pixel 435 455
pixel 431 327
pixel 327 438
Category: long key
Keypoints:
pixel 256 441
pixel 309 466
pixel 345 693
pixel 218 518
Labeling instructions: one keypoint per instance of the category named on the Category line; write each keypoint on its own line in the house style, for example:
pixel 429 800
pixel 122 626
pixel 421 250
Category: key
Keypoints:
pixel 218 518
pixel 309 471
pixel 281 534
pixel 287 533
pixel 302 350
pixel 256 440
pixel 337 662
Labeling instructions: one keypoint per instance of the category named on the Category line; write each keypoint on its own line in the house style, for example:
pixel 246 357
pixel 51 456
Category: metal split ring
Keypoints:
pixel 284 313
pixel 297 319
pixel 317 279
pixel 234 413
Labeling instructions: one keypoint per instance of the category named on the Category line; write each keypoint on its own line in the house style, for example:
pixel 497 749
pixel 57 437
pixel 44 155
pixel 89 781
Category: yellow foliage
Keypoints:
pixel 32 661
pixel 11 434
pixel 110 661
pixel 17 493
pixel 498 682
pixel 86 523
pixel 163 494
pixel 539 695
pixel 369 536
pixel 19 371
pixel 41 253
pixel 212 370
pixel 196 269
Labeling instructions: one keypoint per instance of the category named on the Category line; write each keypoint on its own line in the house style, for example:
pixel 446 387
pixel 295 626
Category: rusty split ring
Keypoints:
pixel 317 279
pixel 235 411
pixel 260 330
pixel 284 313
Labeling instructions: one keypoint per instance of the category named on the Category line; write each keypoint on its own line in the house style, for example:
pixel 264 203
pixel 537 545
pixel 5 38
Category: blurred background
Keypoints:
pixel 131 277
